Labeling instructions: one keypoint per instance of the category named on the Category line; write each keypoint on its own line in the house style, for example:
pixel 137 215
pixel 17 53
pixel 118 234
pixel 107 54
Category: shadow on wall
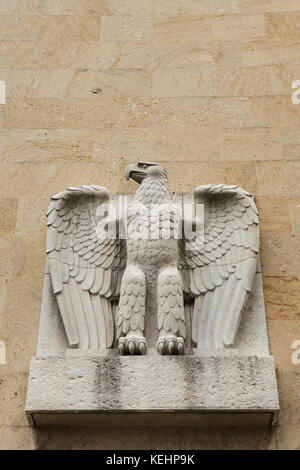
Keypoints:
pixel 140 438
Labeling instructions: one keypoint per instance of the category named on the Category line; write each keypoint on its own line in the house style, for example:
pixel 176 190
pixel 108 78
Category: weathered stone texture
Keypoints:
pixel 202 86
pixel 151 384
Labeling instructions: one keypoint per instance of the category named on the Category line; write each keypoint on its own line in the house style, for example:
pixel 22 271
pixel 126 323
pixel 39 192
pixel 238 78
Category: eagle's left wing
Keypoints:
pixel 218 269
pixel 86 264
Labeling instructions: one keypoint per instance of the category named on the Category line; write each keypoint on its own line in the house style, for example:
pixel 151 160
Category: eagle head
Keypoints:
pixel 141 170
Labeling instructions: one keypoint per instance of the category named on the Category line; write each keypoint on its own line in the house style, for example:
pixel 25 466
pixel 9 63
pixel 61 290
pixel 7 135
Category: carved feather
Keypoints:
pixel 82 286
pixel 231 245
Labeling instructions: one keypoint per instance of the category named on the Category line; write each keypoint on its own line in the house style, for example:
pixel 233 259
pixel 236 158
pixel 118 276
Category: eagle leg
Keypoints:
pixel 131 312
pixel 171 319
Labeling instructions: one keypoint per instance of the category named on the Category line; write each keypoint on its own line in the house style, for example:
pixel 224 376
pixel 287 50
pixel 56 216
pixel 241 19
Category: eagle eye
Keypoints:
pixel 143 166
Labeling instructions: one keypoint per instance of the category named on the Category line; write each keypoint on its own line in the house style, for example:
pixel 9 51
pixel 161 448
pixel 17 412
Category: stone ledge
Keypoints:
pixel 154 390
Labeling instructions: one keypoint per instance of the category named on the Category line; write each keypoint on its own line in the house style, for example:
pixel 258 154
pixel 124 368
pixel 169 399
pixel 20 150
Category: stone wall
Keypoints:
pixel 201 85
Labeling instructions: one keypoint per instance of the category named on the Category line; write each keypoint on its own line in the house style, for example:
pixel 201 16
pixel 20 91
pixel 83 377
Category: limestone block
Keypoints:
pixel 3 291
pixel 288 388
pixel 190 112
pixel 280 254
pixel 74 7
pixel 288 437
pixel 282 297
pixel 238 27
pixel 294 206
pixel 114 84
pixel 251 144
pixel 125 144
pixel 278 179
pixel 255 81
pixel 243 174
pixel 257 6
pixel 183 52
pixel 263 112
pixel 31 215
pixel 273 215
pixel 41 179
pixel 37 83
pixel 281 344
pixel 290 143
pixel 13 255
pixel 201 7
pixel 143 390
pixel 9 7
pixel 182 27
pixel 13 395
pixel 68 114
pixel 271 52
pixel 59 54
pixel 35 27
pixel 129 28
pixel 47 145
pixel 283 25
pixel 185 82
pixel 16 438
pixel 8 215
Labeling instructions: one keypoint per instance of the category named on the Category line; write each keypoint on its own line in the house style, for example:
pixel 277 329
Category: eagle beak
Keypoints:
pixel 128 170
pixel 134 172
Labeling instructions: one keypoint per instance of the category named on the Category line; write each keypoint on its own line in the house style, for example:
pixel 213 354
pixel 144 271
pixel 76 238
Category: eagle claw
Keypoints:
pixel 132 345
pixel 170 345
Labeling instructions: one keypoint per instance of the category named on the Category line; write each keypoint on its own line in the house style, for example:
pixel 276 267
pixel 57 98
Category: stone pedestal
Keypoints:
pixel 152 390
pixel 205 387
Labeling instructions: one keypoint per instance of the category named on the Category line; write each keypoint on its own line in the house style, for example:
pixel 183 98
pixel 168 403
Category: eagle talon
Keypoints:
pixel 142 347
pixel 170 345
pixel 121 346
pixel 132 345
pixel 180 346
pixel 161 347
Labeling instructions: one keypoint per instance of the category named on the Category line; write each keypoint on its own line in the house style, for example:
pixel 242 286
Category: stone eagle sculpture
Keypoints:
pixel 111 290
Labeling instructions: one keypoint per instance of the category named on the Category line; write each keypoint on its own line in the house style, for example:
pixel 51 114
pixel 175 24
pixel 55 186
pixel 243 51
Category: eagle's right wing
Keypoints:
pixel 218 269
pixel 85 268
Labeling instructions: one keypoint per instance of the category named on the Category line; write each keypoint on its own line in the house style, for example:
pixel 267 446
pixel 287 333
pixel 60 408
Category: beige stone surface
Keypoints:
pixel 280 254
pixel 271 52
pixel 33 28
pixel 289 383
pixel 12 396
pixel 278 178
pixel 251 144
pixel 132 28
pixel 16 438
pixel 42 179
pixel 239 27
pixel 19 145
pixel 283 25
pixel 180 53
pixel 257 6
pixel 8 215
pixel 294 208
pixel 288 437
pixel 282 333
pixel 203 86
pixel 282 297
pixel 57 54
pixel 274 215
pixel 74 114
